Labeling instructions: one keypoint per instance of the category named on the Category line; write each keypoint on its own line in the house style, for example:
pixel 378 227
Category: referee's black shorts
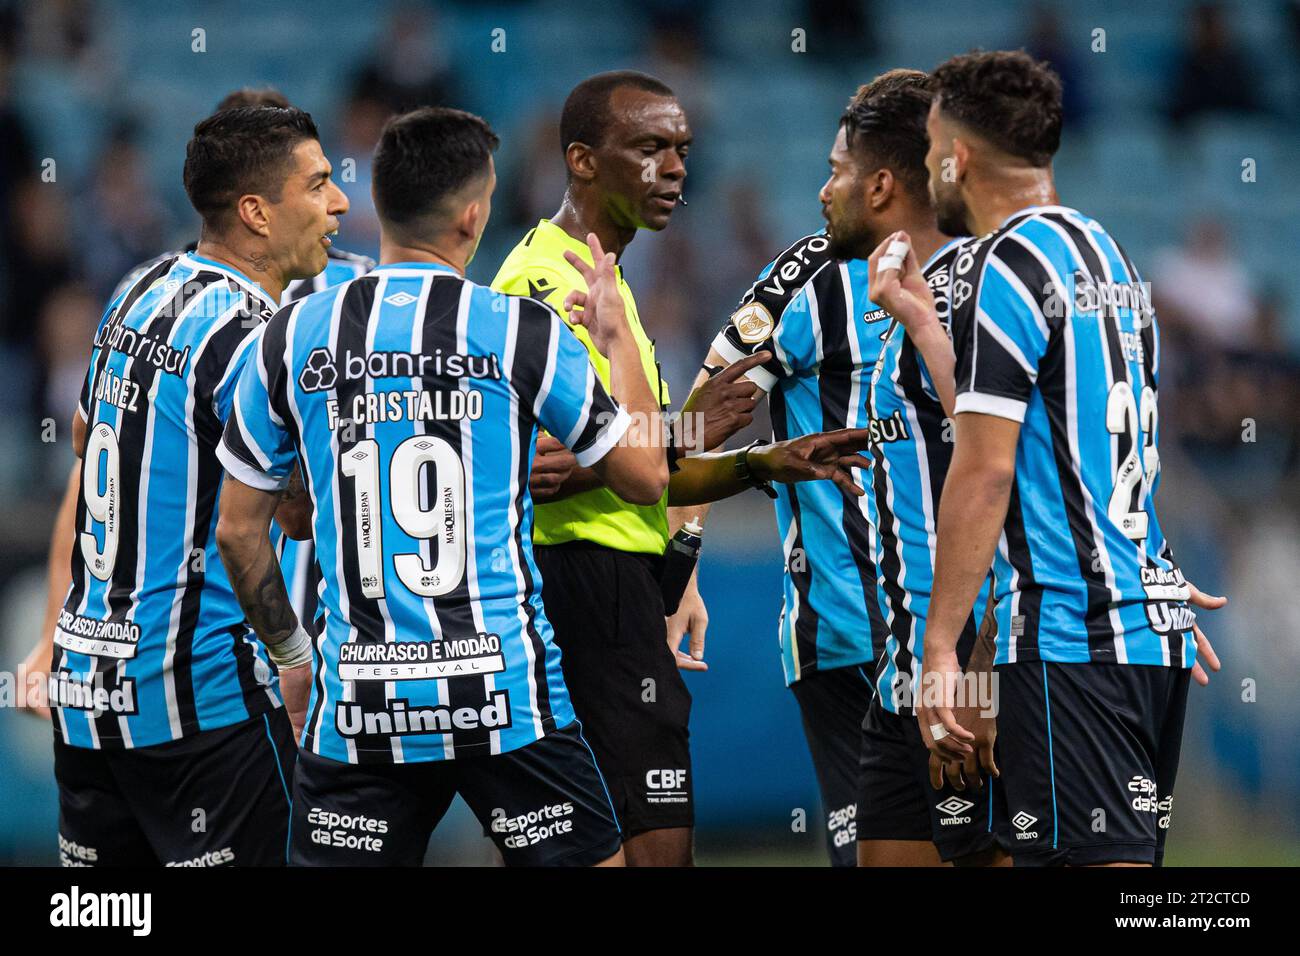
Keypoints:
pixel 607 611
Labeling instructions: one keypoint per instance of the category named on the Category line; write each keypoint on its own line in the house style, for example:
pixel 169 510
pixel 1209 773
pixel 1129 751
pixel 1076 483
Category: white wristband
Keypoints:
pixel 293 651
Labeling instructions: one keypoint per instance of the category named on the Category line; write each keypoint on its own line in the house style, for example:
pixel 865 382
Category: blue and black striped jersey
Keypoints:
pixel 341 267
pixel 151 644
pixel 297 558
pixel 813 314
pixel 1053 328
pixel 911 448
pixel 412 398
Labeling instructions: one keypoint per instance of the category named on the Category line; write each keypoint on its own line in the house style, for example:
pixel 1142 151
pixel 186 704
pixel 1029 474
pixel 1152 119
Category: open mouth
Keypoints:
pixel 327 240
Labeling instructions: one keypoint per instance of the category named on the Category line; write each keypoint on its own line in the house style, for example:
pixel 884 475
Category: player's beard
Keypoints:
pixel 950 214
pixel 850 240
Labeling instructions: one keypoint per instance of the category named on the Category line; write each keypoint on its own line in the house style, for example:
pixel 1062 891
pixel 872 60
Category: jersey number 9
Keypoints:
pixel 101 459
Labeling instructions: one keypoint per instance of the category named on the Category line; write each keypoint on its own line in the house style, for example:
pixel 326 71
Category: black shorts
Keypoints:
pixel 833 704
pixel 544 804
pixel 1089 753
pixel 213 798
pixel 897 801
pixel 608 615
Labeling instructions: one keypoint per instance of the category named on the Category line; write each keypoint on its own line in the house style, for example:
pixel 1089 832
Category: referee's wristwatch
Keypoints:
pixel 745 475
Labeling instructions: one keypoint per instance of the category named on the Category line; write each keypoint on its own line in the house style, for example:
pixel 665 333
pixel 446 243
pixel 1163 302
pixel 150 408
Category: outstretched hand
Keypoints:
pixel 829 456
pixel 723 404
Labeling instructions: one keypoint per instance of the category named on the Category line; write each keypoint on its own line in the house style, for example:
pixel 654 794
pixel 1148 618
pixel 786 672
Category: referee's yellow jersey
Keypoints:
pixel 537 267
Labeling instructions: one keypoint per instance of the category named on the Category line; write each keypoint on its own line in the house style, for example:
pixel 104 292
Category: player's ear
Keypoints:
pixel 879 188
pixel 581 160
pixel 469 223
pixel 254 214
pixel 960 158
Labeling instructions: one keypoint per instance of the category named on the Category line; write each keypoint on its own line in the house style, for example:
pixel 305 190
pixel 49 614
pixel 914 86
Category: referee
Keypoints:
pixel 625 139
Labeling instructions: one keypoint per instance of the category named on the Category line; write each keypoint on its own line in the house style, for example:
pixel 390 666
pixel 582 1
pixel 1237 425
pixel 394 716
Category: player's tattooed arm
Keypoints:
pixel 246 551
pixel 294 512
pixel 266 602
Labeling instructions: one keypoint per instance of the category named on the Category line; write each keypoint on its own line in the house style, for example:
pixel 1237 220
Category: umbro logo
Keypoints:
pixel 399 299
pixel 540 288
pixel 954 811
pixel 1023 821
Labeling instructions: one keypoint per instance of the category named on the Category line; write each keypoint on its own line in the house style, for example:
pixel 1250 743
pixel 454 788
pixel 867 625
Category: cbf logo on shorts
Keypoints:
pixel 531 828
pixel 666 786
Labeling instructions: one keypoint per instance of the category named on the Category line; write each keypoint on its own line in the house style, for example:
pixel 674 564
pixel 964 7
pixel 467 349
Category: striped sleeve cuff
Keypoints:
pixel 997 405
pixel 605 439
pixel 249 474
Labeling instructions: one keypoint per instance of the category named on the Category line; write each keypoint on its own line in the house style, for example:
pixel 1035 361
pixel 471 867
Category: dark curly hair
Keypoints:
pixel 884 124
pixel 1007 97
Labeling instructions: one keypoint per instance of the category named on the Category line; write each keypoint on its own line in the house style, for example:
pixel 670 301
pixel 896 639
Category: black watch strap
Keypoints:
pixel 674 458
pixel 746 476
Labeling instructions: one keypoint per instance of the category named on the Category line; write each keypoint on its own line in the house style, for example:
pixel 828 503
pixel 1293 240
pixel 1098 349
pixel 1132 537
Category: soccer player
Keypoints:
pixel 297 558
pixel 413 397
pixel 902 820
pixel 171 742
pixel 810 311
pixel 625 139
pixel 1053 481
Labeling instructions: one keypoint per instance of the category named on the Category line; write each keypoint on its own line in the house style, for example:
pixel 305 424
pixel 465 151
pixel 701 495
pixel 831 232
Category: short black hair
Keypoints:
pixel 240 151
pixel 247 96
pixel 424 157
pixel 1007 97
pixel 586 116
pixel 884 124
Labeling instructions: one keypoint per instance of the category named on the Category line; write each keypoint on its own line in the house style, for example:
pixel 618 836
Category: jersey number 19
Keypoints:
pixel 444 518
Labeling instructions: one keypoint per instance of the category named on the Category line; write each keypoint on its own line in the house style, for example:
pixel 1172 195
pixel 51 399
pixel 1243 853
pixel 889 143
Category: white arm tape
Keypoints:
pixel 293 651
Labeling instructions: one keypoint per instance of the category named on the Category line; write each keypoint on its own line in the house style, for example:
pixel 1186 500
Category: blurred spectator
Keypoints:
pixel 1203 288
pixel 65 328
pixel 676 56
pixel 42 259
pixel 1047 42
pixel 17 164
pixel 363 118
pixel 1212 73
pixel 130 223
pixel 73 35
pixel 840 30
pixel 1231 390
pixel 410 66
pixel 532 186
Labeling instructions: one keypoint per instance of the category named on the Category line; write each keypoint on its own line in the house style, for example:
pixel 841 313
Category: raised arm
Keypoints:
pixel 897 283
